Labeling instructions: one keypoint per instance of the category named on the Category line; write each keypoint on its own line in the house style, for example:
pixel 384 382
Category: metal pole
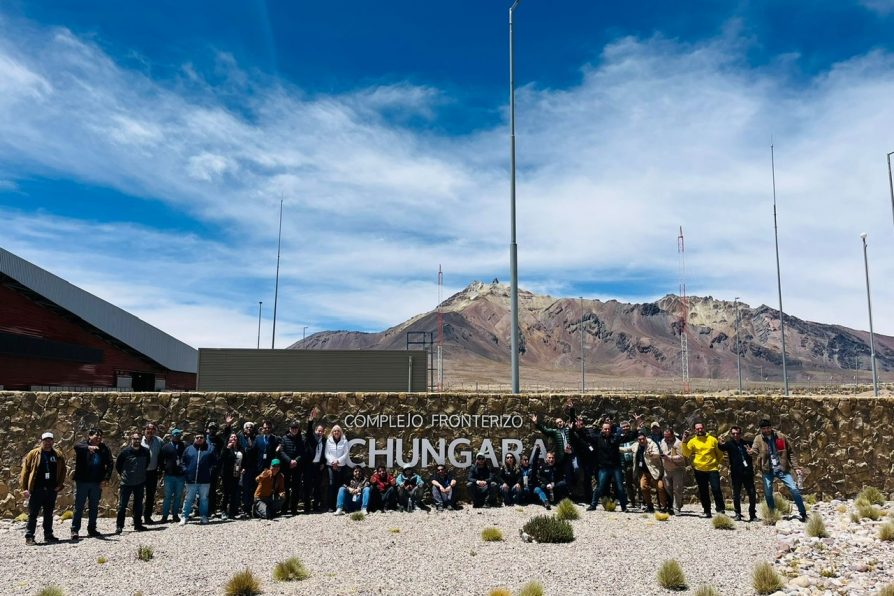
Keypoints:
pixel 276 291
pixel 259 324
pixel 778 273
pixel 303 334
pixel 738 357
pixel 871 333
pixel 513 246
pixel 583 378
pixel 891 181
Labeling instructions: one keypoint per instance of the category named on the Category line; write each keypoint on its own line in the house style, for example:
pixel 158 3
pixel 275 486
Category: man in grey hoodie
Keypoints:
pixel 131 467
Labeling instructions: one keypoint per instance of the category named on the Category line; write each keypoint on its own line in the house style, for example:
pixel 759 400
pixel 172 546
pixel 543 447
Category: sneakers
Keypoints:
pixel 803 518
pixel 225 517
pixel 738 517
pixel 74 537
pixel 175 518
pixel 50 539
pixel 118 530
pixel 93 533
pixel 591 508
pixel 339 511
pixel 364 512
pixel 203 521
pixel 30 541
pixel 140 528
pixel 752 518
pixel 163 520
pixel 182 522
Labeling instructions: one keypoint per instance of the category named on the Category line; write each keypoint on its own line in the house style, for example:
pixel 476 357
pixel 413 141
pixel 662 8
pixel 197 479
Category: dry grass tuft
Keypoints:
pixel 886 532
pixel 492 535
pixel 501 591
pixel 51 591
pixel 145 553
pixel 243 583
pixel 607 504
pixel 765 580
pixel 706 590
pixel 769 516
pixel 67 515
pixel 815 527
pixel 567 510
pixel 670 576
pixel 532 588
pixel 661 516
pixel 723 522
pixel 290 570
pixel 873 495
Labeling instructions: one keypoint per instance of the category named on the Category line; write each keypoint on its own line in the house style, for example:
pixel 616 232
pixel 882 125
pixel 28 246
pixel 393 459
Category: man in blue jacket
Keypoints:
pixel 198 463
pixel 170 461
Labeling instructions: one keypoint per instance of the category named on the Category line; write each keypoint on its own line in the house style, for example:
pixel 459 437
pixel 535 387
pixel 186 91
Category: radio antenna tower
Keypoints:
pixel 684 313
pixel 440 331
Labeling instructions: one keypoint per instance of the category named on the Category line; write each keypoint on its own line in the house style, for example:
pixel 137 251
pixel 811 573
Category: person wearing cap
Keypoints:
pixel 443 488
pixel 198 461
pixel 776 461
pixel 655 432
pixel 93 469
pixel 42 477
pixel 153 443
pixel 481 483
pixel 650 469
pixel 704 450
pixel 410 490
pixel 270 491
pixel 354 495
pixel 291 452
pixel 131 467
pixel 171 463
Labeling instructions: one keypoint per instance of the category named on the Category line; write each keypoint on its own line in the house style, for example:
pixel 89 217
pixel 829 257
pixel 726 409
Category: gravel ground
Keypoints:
pixel 432 553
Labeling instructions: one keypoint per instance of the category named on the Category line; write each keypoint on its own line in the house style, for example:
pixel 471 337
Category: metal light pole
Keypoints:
pixel 738 358
pixel 276 291
pixel 303 334
pixel 513 246
pixel 583 378
pixel 260 303
pixel 891 181
pixel 778 272
pixel 871 334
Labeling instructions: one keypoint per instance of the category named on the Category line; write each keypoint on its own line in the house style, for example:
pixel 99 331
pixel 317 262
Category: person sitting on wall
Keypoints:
pixel 384 490
pixel 42 476
pixel 410 490
pixel 510 480
pixel 530 484
pixel 354 495
pixel 481 483
pixel 552 478
pixel 443 486
pixel 270 491
pixel 336 463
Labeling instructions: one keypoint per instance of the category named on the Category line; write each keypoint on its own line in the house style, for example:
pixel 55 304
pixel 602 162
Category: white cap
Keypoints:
pixel 47 435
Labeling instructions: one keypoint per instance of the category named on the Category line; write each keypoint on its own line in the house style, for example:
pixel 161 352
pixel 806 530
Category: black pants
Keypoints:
pixel 292 478
pixel 151 487
pixel 713 479
pixel 480 495
pixel 213 495
pixel 746 480
pixel 124 494
pixel 230 497
pixel 381 501
pixel 587 473
pixel 311 479
pixel 248 490
pixel 42 500
pixel 337 479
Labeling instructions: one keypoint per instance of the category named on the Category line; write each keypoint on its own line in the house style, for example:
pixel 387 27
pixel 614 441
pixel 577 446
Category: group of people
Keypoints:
pixel 255 473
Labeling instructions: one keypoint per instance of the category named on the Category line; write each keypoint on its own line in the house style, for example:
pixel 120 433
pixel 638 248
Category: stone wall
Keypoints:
pixel 843 443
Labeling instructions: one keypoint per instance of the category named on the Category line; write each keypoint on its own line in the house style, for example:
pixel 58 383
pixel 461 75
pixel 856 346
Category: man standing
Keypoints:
pixel 481 483
pixel 608 460
pixel 251 465
pixel 217 441
pixel 631 486
pixel 674 470
pixel 561 437
pixel 42 477
pixel 153 444
pixel 314 463
pixel 268 444
pixel 776 460
pixel 198 461
pixel 291 454
pixel 171 463
pixel 93 469
pixel 741 471
pixel 269 492
pixel 706 456
pixel 442 485
pixel 647 460
pixel 131 467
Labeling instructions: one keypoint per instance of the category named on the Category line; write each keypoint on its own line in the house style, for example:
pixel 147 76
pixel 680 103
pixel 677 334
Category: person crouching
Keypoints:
pixel 270 491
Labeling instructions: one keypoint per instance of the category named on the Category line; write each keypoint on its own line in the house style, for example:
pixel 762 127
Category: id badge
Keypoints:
pixel 265 456
pixel 46 476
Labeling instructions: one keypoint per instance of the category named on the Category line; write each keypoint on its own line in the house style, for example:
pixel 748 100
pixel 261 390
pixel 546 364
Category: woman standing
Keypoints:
pixel 336 463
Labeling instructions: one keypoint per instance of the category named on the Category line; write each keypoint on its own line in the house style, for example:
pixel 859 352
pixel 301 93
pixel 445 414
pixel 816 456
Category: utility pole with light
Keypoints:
pixel 871 333
pixel 513 245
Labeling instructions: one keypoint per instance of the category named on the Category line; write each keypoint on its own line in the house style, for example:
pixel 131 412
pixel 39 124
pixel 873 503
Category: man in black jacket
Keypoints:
pixel 741 469
pixel 481 483
pixel 607 457
pixel 216 439
pixel 170 461
pixel 93 468
pixel 291 456
pixel 131 467
pixel 314 463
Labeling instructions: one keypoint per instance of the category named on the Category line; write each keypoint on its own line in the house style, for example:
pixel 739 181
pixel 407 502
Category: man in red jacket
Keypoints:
pixel 384 493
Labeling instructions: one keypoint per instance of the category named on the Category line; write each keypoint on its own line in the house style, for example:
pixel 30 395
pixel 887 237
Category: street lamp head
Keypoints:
pixel 863 235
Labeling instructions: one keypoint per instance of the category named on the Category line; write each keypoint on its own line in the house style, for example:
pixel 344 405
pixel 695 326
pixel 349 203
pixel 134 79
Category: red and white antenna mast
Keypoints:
pixel 440 331
pixel 684 313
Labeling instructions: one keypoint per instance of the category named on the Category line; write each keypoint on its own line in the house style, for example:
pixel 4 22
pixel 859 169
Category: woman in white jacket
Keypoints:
pixel 336 463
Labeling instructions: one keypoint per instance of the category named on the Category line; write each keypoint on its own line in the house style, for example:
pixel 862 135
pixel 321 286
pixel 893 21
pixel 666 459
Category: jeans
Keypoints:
pixel 151 486
pixel 746 480
pixel 481 494
pixel 193 490
pixel 124 494
pixel 510 494
pixel 86 493
pixel 441 498
pixel 268 508
pixel 173 495
pixel 607 475
pixel 789 483
pixel 42 500
pixel 703 479
pixel 384 501
pixel 348 502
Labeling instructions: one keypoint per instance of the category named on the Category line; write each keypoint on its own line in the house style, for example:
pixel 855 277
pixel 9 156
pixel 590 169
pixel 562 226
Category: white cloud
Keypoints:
pixel 656 135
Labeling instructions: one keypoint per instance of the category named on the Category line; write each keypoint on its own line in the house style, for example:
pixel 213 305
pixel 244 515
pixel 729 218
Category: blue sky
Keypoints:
pixel 144 150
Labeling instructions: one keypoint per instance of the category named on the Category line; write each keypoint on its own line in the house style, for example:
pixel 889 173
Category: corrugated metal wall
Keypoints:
pixel 312 370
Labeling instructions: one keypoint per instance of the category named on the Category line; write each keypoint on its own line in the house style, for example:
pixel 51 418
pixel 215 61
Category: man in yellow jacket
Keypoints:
pixel 42 477
pixel 706 456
